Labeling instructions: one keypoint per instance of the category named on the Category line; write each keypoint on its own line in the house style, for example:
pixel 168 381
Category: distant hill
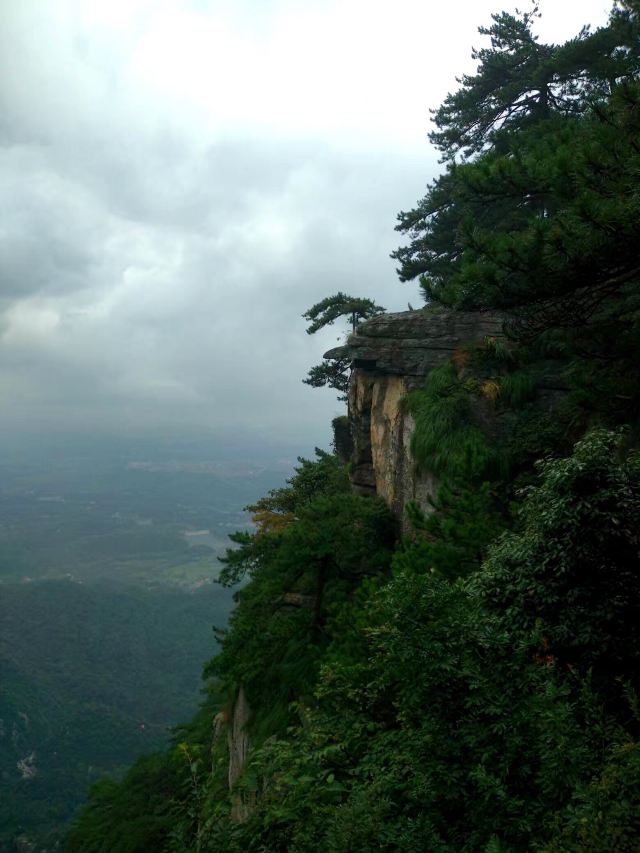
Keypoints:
pixel 92 676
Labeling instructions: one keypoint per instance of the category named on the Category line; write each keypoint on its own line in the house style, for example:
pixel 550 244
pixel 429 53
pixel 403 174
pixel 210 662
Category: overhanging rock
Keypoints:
pixel 390 356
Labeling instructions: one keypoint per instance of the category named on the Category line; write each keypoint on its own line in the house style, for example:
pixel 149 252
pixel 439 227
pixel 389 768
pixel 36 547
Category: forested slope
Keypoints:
pixel 470 686
pixel 92 676
pixel 106 612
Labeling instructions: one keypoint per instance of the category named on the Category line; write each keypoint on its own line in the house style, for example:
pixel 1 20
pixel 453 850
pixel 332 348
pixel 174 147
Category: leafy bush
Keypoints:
pixel 571 573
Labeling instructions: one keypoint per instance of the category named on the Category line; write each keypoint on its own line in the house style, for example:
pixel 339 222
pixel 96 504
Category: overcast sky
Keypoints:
pixel 182 179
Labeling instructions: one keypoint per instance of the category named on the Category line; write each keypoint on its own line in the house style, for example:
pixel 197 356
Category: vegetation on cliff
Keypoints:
pixel 473 686
pixel 335 373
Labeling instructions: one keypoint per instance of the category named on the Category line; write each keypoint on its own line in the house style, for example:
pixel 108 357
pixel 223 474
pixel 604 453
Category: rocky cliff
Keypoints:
pixel 391 356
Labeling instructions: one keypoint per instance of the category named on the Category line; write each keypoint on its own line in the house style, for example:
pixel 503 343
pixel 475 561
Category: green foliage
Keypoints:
pixel 303 592
pixel 450 727
pixel 520 82
pixel 429 711
pixel 92 676
pixel 331 541
pixel 453 537
pixel 155 806
pixel 447 439
pixel 542 218
pixel 325 475
pixel 332 308
pixel 604 814
pixel 322 476
pixel 282 621
pixel 487 415
pixel 517 388
pixel 571 571
pixel 381 765
pixel 335 373
pixel 140 804
pixel 332 373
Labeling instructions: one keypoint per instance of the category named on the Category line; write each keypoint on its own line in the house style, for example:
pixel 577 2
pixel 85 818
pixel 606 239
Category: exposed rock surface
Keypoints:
pixel 390 356
pixel 238 740
pixel 411 343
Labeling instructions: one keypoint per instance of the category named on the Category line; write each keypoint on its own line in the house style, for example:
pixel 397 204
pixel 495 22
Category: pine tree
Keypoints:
pixel 335 373
pixel 537 211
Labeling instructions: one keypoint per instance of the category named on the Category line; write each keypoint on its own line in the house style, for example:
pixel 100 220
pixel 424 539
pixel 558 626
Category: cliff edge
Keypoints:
pixel 391 356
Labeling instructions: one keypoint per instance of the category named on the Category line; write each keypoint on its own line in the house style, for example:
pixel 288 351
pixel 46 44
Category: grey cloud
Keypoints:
pixel 48 229
pixel 154 273
pixel 194 303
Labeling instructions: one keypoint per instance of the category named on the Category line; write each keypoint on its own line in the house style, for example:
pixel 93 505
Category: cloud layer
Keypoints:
pixel 181 180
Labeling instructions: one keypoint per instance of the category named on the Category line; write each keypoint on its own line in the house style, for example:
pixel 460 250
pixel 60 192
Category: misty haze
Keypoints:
pixel 217 581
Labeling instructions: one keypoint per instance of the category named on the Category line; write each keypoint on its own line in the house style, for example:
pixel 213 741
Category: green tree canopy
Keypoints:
pixel 541 217
pixel 570 572
pixel 335 373
pixel 332 308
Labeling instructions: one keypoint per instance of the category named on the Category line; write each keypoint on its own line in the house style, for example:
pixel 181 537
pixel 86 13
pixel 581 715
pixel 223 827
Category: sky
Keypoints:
pixel 182 179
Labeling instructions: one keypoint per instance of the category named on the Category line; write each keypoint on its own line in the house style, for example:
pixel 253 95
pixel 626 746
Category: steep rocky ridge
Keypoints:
pixel 391 356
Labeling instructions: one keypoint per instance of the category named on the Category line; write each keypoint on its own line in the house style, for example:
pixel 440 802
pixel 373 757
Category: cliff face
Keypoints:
pixel 391 355
pixel 238 742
